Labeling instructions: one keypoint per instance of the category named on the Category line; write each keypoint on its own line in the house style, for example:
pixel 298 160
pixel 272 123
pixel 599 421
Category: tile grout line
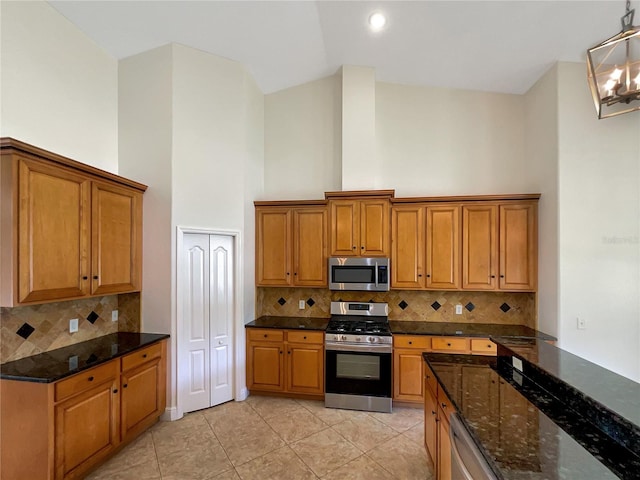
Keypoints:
pixel 221 446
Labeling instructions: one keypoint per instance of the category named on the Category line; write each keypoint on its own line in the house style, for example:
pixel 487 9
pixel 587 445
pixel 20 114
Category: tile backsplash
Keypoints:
pixel 33 329
pixel 428 306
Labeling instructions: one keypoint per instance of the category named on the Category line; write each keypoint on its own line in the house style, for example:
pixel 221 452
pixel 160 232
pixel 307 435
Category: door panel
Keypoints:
pixel 116 239
pixel 273 244
pixel 305 367
pixel 407 255
pixel 221 298
pixel 53 231
pixel 479 247
pixel 517 247
pixel 443 247
pixel 140 395
pixel 309 247
pixel 374 228
pixel 194 334
pixel 345 240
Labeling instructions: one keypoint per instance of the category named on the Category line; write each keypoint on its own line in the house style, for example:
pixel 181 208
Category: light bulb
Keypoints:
pixel 377 21
pixel 615 75
pixel 637 80
pixel 609 85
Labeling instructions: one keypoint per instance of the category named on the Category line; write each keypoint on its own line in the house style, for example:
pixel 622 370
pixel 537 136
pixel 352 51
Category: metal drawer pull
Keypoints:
pixel 125 385
pixel 90 379
pixel 144 356
pixel 448 344
pixel 115 391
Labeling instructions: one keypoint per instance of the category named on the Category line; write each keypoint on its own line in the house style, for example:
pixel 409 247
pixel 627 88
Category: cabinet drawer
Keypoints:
pixel 484 346
pixel 305 337
pixel 411 341
pixel 265 335
pixel 85 380
pixel 141 356
pixel 450 344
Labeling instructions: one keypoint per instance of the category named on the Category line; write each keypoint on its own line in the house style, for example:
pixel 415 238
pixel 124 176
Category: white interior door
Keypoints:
pixel 221 317
pixel 205 326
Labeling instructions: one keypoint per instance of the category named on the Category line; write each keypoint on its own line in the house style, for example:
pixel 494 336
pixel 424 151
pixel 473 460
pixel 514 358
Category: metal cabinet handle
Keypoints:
pixel 444 405
pixel 85 277
pixel 144 355
pixel 354 247
pixel 280 352
pixel 125 385
pixel 115 390
pixel 95 277
pixel 501 276
pixel 420 275
pixel 362 248
pixel 493 276
pixel 448 344
pixel 90 379
pixel 410 343
pixel 265 335
pixel 304 338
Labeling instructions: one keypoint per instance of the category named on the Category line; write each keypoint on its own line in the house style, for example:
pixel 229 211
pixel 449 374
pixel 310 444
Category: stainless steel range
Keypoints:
pixel 358 350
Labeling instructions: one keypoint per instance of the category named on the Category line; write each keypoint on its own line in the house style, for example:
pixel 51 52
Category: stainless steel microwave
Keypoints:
pixel 358 273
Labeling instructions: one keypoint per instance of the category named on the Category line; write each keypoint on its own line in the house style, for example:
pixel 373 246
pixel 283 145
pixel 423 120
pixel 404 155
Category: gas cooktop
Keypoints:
pixel 340 325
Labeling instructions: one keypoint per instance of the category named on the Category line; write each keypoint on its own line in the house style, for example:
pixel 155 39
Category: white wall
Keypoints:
pixel 145 138
pixel 302 140
pixel 433 141
pixel 58 90
pixel 599 222
pixel 541 175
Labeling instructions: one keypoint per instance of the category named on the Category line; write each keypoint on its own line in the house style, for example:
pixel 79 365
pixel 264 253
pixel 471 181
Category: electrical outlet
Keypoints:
pixel 73 325
pixel 517 363
pixel 301 304
pixel 458 309
pixel 581 323
pixel 114 315
pixel 73 362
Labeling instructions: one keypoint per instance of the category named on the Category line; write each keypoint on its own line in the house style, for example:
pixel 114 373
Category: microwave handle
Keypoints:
pixel 376 268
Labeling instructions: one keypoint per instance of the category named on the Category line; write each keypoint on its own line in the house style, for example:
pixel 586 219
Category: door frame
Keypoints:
pixel 239 388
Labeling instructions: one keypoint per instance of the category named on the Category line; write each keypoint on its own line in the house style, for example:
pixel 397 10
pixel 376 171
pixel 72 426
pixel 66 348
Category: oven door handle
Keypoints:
pixel 341 347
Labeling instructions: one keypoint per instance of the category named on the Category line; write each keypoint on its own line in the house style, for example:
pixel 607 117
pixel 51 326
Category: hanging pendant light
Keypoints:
pixel 613 70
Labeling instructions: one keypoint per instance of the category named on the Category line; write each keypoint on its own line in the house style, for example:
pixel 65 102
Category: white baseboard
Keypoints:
pixel 244 393
pixel 171 414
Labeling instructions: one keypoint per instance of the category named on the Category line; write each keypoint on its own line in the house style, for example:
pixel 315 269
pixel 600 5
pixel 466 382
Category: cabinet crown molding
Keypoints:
pixel 11 145
pixel 360 194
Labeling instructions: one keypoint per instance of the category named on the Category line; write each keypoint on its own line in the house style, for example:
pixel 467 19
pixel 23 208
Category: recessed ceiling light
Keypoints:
pixel 377 21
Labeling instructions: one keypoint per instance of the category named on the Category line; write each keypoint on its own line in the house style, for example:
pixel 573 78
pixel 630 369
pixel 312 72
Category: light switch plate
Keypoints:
pixel 114 315
pixel 73 325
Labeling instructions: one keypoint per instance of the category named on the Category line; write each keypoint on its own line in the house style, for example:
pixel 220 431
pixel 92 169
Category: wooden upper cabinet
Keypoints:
pixel 273 246
pixel 116 239
pixel 443 247
pixel 360 228
pixel 67 230
pixel 291 246
pixel 53 226
pixel 407 246
pixel 518 247
pixel 479 247
pixel 345 228
pixel 310 247
pixel 374 228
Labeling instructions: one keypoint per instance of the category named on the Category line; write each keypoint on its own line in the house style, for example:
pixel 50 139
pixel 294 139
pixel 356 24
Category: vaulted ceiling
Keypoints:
pixel 496 46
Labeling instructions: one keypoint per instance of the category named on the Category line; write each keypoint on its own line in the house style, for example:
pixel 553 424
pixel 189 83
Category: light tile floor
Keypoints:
pixel 277 438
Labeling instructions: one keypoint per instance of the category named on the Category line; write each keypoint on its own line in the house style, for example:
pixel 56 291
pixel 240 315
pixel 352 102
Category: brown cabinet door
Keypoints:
pixel 345 231
pixel 140 397
pixel 374 228
pixel 408 377
pixel 407 249
pixel 53 232
pixel 430 424
pixel 305 368
pixel 518 256
pixel 443 247
pixel 444 448
pixel 116 235
pixel 86 429
pixel 310 247
pixel 265 366
pixel 273 246
pixel 479 247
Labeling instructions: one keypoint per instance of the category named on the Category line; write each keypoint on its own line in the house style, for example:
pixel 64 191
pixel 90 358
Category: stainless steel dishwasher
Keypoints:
pixel 467 462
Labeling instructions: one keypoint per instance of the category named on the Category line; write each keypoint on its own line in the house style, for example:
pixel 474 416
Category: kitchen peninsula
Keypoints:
pixel 546 418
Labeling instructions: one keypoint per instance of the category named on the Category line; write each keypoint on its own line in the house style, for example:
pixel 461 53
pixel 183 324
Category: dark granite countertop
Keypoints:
pixel 63 362
pixel 466 329
pixel 290 323
pixel 523 430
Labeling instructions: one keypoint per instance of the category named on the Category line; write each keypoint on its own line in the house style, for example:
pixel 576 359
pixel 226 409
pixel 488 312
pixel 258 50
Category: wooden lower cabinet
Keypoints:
pixel 437 409
pixel 285 361
pixel 62 430
pixel 86 429
pixel 408 364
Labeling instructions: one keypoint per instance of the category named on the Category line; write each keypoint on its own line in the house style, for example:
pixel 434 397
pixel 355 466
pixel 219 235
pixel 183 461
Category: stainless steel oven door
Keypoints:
pixel 358 370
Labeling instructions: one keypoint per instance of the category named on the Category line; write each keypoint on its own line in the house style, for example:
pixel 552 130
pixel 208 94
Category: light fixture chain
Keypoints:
pixel 628 5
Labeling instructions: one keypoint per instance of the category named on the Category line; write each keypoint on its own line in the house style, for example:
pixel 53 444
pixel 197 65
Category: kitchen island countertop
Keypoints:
pixel 466 329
